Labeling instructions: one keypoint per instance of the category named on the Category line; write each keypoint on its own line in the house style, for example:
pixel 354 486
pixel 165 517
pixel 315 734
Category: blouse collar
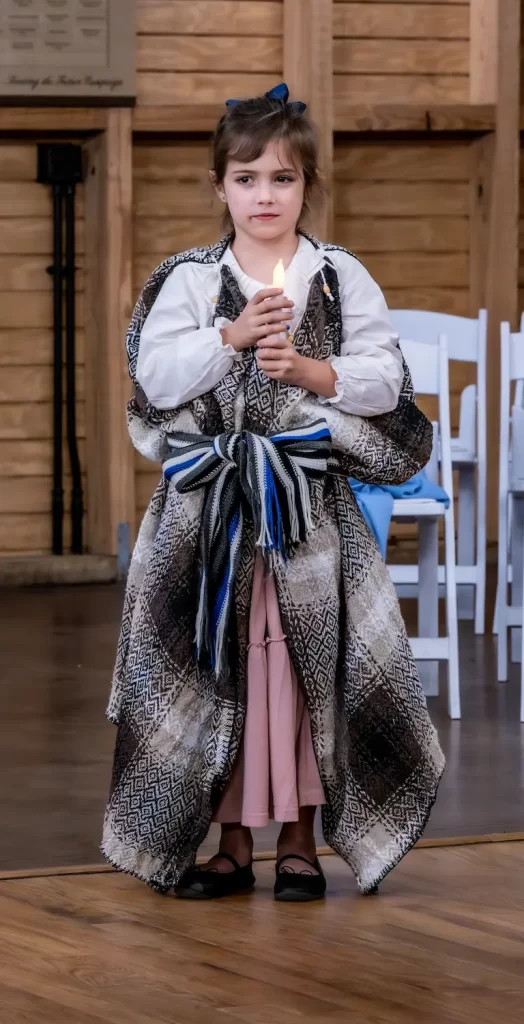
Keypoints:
pixel 306 262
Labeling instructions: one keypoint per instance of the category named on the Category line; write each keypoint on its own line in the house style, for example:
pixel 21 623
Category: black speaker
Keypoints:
pixel 59 163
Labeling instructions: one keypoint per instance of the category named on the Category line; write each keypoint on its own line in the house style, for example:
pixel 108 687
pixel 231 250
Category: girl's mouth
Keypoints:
pixel 265 216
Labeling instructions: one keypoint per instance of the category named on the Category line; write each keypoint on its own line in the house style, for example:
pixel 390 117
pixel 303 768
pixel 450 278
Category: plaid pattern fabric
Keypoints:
pixel 179 726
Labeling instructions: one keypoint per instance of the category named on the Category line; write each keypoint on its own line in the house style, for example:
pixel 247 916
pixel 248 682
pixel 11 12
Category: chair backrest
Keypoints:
pixel 511 370
pixel 424 365
pixel 519 384
pixel 466 336
pixel 467 342
pixel 429 370
pixel 511 355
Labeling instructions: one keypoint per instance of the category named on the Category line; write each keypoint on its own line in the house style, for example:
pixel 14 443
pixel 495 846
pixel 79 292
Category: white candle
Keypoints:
pixel 279 276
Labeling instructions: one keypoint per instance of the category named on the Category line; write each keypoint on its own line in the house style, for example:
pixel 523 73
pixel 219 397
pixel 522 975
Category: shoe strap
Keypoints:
pixel 297 856
pixel 227 856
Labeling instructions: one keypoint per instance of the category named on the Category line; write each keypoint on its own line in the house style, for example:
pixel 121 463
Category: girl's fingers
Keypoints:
pixel 270 294
pixel 271 354
pixel 266 293
pixel 278 317
pixel 277 302
pixel 276 329
pixel 270 365
pixel 274 341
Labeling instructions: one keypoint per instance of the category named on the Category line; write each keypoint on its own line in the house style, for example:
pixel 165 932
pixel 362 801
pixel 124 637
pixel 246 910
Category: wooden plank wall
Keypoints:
pixel 109 302
pixel 26 353
pixel 521 236
pixel 403 207
pixel 203 51
pixel 174 209
pixel 521 175
pixel 401 51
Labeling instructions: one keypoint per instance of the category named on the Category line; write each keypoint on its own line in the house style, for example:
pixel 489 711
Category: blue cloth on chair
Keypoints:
pixel 376 502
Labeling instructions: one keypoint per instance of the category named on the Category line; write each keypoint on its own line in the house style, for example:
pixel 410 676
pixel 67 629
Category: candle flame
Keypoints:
pixel 279 276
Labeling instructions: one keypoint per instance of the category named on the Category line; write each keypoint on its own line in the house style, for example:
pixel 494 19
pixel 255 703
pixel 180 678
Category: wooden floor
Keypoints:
pixel 57 648
pixel 442 943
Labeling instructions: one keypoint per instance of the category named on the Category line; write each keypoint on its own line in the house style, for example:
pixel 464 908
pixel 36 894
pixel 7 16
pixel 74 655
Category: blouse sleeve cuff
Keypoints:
pixel 220 323
pixel 339 388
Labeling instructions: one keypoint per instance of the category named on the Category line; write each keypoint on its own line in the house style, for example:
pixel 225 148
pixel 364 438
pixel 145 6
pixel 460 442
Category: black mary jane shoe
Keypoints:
pixel 299 886
pixel 210 884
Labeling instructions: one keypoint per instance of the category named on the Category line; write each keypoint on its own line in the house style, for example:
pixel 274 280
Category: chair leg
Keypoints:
pixel 480 589
pixel 508 535
pixel 452 619
pixel 502 598
pixel 428 599
pixel 495 624
pixel 517 582
pixel 466 539
pixel 502 646
pixel 480 597
pixel 522 655
pixel 522 686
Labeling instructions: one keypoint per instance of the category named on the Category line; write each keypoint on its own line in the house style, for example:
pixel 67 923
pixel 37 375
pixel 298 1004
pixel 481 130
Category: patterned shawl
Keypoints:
pixel 179 728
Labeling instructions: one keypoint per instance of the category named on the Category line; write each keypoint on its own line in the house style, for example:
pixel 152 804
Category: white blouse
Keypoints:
pixel 181 355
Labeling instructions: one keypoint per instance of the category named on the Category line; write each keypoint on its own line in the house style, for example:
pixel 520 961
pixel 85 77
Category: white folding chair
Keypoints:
pixel 466 343
pixel 430 373
pixel 511 493
pixel 517 401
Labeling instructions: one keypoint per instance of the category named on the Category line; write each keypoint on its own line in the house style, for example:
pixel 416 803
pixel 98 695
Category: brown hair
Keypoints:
pixel 244 131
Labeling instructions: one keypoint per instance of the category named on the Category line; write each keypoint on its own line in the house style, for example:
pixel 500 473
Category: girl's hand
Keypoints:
pixel 279 360
pixel 269 307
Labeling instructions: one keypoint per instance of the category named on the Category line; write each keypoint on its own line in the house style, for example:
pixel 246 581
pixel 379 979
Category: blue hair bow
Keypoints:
pixel 280 93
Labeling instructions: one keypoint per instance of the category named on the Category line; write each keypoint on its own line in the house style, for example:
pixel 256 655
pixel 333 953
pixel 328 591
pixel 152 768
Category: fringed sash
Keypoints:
pixel 244 474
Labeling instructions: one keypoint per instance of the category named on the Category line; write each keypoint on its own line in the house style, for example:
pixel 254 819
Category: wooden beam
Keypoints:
pixel 197 117
pixel 459 117
pixel 503 242
pixel 52 119
pixel 202 117
pixel 108 217
pixel 308 70
pixel 483 29
pixel 382 117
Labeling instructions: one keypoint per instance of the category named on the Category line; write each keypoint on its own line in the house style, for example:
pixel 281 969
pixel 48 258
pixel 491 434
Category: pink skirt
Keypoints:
pixel 276 772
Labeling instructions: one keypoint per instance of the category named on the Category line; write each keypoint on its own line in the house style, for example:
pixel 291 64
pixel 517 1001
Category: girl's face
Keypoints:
pixel 265 197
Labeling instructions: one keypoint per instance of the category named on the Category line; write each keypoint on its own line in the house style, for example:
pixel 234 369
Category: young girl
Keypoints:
pixel 263 668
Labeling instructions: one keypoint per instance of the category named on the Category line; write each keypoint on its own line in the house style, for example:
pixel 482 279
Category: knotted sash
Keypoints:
pixel 245 475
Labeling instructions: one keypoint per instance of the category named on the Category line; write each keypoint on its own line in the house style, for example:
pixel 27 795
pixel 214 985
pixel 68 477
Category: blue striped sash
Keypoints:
pixel 244 475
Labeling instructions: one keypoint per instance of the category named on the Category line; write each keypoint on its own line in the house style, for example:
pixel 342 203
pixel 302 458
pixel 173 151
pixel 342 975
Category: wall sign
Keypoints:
pixel 67 51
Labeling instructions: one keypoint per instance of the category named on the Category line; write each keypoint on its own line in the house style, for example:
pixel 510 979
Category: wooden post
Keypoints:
pixel 481 179
pixel 109 453
pixel 308 70
pixel 483 30
pixel 503 242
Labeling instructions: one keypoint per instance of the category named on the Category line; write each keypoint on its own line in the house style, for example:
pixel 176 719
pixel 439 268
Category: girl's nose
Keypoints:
pixel 265 193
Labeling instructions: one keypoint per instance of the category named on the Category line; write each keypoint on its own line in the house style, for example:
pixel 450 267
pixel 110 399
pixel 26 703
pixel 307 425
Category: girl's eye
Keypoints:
pixel 284 178
pixel 243 179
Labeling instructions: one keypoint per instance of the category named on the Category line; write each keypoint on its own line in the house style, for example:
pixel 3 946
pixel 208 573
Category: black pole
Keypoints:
pixel 76 489
pixel 60 166
pixel 57 498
